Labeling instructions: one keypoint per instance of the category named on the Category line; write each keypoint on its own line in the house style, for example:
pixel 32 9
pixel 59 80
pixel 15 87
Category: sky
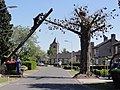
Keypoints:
pixel 27 9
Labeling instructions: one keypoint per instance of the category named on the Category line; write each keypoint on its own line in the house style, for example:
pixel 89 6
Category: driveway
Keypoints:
pixel 48 78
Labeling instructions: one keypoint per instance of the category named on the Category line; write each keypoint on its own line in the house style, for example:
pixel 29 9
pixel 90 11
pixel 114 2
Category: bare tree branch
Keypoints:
pixel 93 20
pixel 75 24
pixel 97 29
pixel 68 28
pixel 78 14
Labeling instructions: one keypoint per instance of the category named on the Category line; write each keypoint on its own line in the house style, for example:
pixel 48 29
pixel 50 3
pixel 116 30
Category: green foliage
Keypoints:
pixel 64 50
pixel 30 50
pixel 30 64
pixel 11 72
pixel 33 64
pixel 50 51
pixel 115 70
pixel 5 29
pixel 102 72
pixel 24 67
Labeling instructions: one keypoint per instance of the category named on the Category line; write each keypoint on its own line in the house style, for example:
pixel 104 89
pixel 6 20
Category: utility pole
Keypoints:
pixel 71 54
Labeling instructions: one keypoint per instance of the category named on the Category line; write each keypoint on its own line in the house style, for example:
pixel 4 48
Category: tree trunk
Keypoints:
pixel 85 51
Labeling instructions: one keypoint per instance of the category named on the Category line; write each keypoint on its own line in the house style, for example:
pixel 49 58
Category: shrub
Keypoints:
pixel 76 68
pixel 67 67
pixel 30 64
pixel 104 73
pixel 11 72
pixel 99 67
pixel 24 67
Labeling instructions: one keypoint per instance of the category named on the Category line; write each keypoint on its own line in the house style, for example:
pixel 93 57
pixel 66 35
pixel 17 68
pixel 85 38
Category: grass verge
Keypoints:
pixel 73 72
pixel 5 79
pixel 31 71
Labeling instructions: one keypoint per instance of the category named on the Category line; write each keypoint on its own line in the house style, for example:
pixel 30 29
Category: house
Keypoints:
pixel 104 49
pixel 116 47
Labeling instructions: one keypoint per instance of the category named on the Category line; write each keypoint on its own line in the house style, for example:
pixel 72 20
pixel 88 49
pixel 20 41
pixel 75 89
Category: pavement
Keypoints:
pixel 95 80
pixel 91 81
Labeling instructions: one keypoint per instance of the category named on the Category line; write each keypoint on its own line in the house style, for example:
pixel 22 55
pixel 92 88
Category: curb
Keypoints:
pixel 77 81
pixel 82 84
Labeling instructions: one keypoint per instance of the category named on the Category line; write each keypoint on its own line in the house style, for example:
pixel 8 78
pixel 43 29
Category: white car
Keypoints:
pixel 41 64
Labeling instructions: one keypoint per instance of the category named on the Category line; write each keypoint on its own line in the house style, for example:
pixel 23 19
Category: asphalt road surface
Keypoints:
pixel 48 78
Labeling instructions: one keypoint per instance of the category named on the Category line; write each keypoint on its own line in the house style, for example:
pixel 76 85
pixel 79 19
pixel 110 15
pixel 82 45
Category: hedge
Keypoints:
pixel 30 64
pixel 102 72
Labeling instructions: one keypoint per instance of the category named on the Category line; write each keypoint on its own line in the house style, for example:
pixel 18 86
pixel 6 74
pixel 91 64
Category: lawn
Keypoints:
pixel 5 79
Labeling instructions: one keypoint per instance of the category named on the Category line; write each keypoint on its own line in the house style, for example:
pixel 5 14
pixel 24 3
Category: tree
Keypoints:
pixel 64 50
pixel 42 57
pixel 50 51
pixel 30 50
pixel 5 29
pixel 85 26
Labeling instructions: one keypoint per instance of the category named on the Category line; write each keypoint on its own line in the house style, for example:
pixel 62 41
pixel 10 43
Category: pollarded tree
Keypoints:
pixel 85 26
pixel 5 28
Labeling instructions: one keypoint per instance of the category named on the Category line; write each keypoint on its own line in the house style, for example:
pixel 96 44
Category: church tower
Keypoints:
pixel 55 46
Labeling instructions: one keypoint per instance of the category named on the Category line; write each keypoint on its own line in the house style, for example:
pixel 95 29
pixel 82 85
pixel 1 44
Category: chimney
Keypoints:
pixel 105 38
pixel 113 40
pixel 113 36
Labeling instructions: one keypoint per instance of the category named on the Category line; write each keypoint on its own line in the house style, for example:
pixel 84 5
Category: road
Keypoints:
pixel 48 78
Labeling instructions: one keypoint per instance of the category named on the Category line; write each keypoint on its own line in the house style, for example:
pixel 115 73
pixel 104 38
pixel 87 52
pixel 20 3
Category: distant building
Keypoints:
pixel 65 57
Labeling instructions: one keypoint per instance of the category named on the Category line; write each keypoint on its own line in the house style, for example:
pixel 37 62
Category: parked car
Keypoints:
pixel 41 64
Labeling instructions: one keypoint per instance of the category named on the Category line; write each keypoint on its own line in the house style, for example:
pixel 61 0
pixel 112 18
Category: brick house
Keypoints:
pixel 104 49
pixel 116 47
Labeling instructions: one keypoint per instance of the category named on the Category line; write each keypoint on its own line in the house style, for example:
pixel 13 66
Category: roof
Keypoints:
pixel 103 43
pixel 54 41
pixel 117 43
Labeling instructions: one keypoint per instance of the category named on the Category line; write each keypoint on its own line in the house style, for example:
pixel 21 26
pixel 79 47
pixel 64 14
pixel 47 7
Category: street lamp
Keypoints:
pixel 8 7
pixel 71 54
